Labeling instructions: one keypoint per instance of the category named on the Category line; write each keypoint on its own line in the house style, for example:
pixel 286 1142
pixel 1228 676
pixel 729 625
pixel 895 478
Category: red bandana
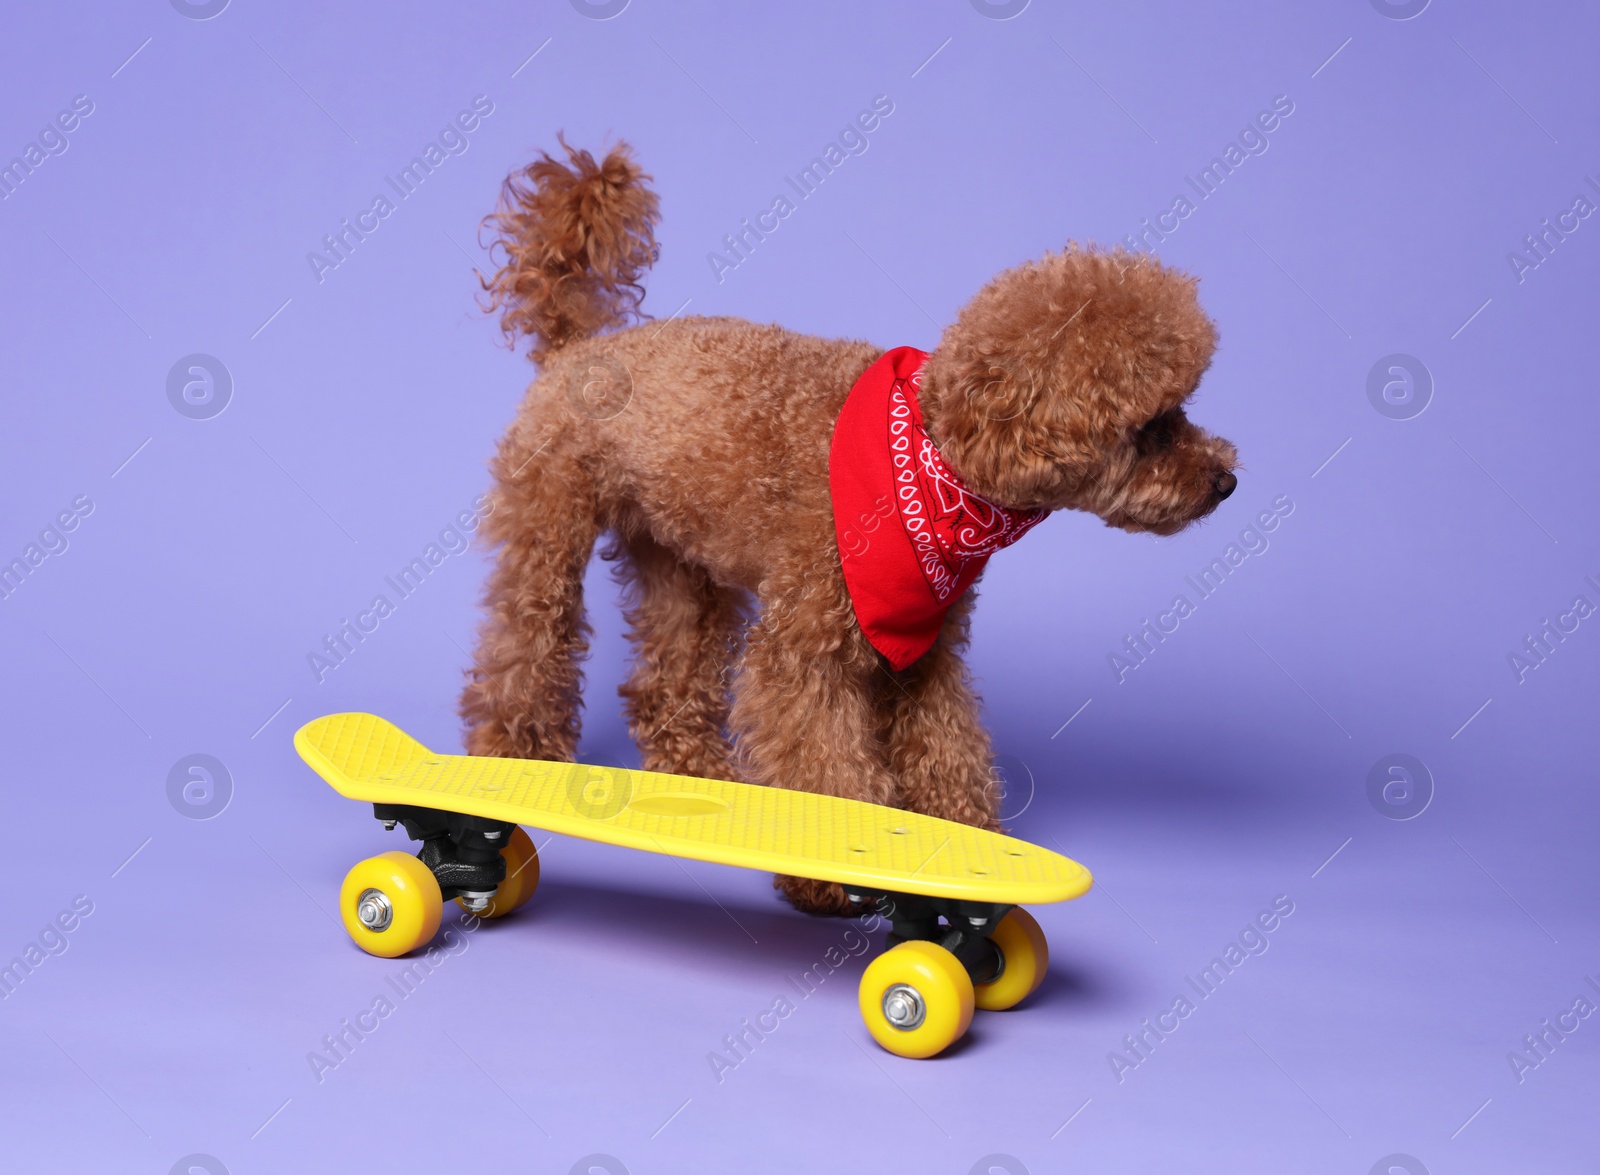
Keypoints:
pixel 912 537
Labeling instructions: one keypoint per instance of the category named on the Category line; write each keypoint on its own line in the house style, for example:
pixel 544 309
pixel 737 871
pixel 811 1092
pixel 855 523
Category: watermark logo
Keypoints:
pixel 1004 10
pixel 600 388
pixel 53 140
pixel 199 787
pixel 598 1164
pixel 1253 139
pixel 853 139
pixel 1539 1046
pixel 340 645
pixel 454 139
pixel 1400 10
pixel 1400 386
pixel 998 1164
pixel 1139 646
pixel 739 1046
pixel 601 11
pixel 1398 1164
pixel 50 941
pixel 52 540
pixel 339 1046
pixel 1541 245
pixel 1400 787
pixel 599 792
pixel 200 10
pixel 199 386
pixel 1139 1047
pixel 198 1164
pixel 1013 786
pixel 853 540
pixel 1538 647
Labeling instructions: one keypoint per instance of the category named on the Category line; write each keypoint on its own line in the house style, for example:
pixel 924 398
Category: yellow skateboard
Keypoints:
pixel 950 893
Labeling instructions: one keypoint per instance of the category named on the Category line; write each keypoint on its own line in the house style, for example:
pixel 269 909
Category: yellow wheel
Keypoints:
pixel 916 999
pixel 522 877
pixel 1024 958
pixel 390 904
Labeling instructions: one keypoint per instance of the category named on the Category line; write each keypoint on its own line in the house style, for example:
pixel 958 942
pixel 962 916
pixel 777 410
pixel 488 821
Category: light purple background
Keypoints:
pixel 1226 770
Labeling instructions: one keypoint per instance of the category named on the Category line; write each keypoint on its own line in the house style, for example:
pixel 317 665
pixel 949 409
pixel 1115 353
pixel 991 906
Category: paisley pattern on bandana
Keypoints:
pixel 903 580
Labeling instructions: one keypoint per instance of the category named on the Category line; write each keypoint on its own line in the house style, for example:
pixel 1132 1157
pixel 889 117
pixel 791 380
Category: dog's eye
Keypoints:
pixel 1158 435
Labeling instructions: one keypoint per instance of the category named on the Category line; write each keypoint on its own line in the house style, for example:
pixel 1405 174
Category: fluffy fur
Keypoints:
pixel 700 447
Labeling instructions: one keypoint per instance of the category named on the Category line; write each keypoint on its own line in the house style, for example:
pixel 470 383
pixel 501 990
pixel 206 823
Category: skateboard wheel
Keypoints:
pixel 1024 958
pixel 390 904
pixel 916 999
pixel 522 877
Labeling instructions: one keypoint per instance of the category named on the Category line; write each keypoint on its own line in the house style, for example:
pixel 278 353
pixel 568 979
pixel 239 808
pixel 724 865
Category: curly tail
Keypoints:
pixel 577 237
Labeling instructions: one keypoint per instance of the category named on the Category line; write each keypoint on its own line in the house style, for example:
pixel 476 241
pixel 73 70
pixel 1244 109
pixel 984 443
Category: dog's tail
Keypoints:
pixel 577 237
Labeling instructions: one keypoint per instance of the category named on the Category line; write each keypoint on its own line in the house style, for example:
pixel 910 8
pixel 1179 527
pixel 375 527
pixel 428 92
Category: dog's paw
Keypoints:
pixel 825 898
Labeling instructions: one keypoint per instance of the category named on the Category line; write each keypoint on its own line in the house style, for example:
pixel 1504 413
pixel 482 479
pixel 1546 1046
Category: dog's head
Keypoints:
pixel 1062 385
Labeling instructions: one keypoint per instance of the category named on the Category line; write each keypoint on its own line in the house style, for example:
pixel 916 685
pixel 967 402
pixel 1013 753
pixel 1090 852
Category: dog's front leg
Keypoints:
pixel 938 749
pixel 803 715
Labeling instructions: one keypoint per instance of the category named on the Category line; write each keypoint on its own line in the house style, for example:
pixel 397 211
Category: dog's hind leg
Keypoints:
pixel 685 630
pixel 522 697
pixel 803 712
pixel 938 749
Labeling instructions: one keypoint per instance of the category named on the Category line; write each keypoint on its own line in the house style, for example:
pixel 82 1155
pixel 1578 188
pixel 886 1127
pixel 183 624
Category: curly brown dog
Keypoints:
pixel 701 447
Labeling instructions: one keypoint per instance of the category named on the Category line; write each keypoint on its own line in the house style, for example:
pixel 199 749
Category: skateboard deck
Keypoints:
pixel 772 829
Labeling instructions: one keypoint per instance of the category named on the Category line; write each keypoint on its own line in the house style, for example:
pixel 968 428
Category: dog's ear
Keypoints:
pixel 994 392
pixel 980 410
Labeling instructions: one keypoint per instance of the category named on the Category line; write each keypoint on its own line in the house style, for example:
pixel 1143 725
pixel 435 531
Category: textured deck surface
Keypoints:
pixel 367 758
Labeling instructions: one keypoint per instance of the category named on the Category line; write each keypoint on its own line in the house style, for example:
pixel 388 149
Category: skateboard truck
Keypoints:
pixel 462 852
pixel 959 926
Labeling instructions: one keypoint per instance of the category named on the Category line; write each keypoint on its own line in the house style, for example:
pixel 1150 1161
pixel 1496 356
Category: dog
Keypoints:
pixel 706 452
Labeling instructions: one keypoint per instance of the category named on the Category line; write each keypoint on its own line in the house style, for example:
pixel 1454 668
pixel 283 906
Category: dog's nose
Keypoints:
pixel 1225 485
